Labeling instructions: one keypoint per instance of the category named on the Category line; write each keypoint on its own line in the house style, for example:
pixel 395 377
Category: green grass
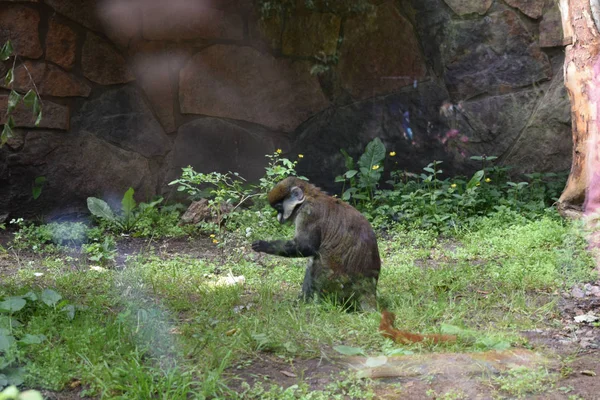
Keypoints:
pixel 166 328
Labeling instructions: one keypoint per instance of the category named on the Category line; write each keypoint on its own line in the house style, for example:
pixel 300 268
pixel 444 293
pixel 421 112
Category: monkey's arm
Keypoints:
pixel 285 248
pixel 303 245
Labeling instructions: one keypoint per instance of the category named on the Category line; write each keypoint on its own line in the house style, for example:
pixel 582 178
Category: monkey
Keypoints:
pixel 340 243
pixel 386 328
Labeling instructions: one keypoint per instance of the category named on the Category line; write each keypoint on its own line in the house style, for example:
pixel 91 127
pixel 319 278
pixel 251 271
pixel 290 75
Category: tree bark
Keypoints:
pixel 581 22
pixel 582 81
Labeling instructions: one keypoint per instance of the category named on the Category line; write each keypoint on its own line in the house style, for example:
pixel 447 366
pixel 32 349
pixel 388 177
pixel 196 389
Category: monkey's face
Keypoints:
pixel 285 209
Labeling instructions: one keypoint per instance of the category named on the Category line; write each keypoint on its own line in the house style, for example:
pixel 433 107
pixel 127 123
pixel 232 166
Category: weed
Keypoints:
pixel 521 381
pixel 131 213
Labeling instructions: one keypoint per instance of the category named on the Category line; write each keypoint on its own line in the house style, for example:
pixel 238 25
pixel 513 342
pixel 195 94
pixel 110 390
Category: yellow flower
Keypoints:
pixel 488 180
pixel 212 235
pixel 215 241
pixel 453 185
pixel 278 151
pixel 300 155
pixel 392 153
pixel 375 167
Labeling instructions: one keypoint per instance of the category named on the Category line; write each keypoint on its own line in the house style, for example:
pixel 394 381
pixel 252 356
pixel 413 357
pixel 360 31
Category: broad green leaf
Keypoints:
pixel 4 382
pixel 30 296
pixel 30 395
pixel 50 297
pixel 69 309
pixel 350 174
pixel 475 179
pixel 6 134
pixel 349 351
pixel 349 162
pixel 374 362
pixel 15 376
pixel 10 392
pixel 38 184
pixel 399 352
pixel 451 329
pixel 374 154
pixel 9 78
pixel 100 209
pixel 12 304
pixel 4 342
pixel 7 323
pixel 39 118
pixel 13 101
pixel 7 51
pixel 29 98
pixel 32 339
pixel 128 203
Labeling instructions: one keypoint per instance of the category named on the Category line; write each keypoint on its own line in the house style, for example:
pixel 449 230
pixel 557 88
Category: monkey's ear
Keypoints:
pixel 289 204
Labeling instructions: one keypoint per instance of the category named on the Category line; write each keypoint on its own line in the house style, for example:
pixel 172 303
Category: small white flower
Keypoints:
pixel 38 274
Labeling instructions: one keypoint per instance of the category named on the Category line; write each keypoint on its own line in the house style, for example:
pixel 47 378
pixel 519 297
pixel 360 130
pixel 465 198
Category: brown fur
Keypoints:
pixel 345 244
pixel 386 328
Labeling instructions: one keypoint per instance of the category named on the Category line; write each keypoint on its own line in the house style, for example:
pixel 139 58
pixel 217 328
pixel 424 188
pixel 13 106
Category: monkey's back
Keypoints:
pixel 348 242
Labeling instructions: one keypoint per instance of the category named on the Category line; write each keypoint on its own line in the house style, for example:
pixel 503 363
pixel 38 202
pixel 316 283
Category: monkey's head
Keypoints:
pixel 286 197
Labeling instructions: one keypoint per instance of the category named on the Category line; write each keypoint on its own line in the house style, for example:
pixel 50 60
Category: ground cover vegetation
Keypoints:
pixel 131 304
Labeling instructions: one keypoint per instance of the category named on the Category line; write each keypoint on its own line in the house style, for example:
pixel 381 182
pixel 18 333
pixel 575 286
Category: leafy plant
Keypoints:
pixel 278 169
pixel 30 99
pixel 130 214
pixel 364 178
pixel 38 184
pixel 12 393
pixel 101 251
pixel 30 236
pixel 12 330
pixel 227 192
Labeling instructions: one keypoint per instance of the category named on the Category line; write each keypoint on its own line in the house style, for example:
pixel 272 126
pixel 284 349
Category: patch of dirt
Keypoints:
pixel 273 370
pixel 72 394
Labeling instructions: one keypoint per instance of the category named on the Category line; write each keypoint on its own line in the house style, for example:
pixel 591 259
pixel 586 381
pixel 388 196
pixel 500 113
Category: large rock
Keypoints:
pixel 153 70
pixel 212 144
pixel 54 116
pixel 266 29
pixel 352 126
pixel 121 116
pixel 84 12
pixel 102 63
pixel 371 63
pixel 75 166
pixel 19 24
pixel 311 35
pixel 242 83
pixel 551 33
pixel 546 141
pixel 531 8
pixel 494 54
pixel 493 123
pixel 49 79
pixel 185 19
pixel 61 42
pixel 122 20
pixel 464 7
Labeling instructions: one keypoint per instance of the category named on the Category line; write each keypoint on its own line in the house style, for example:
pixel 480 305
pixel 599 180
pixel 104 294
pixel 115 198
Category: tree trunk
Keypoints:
pixel 582 81
pixel 581 23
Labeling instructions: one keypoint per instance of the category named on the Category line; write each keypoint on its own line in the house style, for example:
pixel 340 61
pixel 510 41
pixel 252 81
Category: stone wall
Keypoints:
pixel 133 90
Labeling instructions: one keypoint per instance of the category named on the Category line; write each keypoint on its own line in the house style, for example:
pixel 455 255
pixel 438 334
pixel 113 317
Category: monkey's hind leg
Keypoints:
pixel 308 285
pixel 366 291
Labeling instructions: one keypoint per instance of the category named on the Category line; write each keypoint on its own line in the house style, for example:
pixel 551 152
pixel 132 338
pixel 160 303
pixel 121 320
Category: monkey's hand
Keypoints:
pixel 263 246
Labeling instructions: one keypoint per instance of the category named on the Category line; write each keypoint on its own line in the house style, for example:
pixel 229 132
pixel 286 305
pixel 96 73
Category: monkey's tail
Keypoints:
pixel 387 329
